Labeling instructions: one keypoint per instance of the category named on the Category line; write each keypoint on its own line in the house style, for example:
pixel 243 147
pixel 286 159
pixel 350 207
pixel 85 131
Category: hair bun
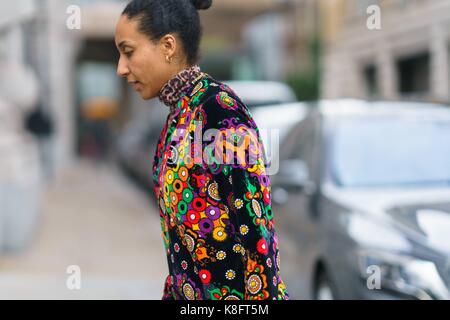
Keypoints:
pixel 202 4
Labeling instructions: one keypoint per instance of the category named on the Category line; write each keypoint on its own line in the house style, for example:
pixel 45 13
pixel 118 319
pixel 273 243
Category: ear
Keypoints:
pixel 168 44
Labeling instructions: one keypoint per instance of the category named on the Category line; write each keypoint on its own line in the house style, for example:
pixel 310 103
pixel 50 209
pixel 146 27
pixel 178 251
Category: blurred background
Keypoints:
pixel 352 103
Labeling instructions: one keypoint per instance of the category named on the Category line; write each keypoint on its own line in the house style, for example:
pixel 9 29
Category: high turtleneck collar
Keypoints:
pixel 178 86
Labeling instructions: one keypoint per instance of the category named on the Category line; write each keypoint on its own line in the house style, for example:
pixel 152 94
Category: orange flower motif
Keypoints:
pixel 201 253
pixel 256 281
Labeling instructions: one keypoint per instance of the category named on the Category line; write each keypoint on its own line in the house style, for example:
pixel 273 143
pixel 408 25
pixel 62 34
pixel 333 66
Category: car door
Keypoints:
pixel 295 209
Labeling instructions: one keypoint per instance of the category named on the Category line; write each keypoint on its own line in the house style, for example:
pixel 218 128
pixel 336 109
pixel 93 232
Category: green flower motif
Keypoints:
pixel 226 101
pixel 225 293
pixel 195 99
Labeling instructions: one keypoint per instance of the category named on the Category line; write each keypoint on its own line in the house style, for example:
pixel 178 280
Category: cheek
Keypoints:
pixel 150 82
pixel 153 76
pixel 142 68
pixel 136 68
pixel 147 66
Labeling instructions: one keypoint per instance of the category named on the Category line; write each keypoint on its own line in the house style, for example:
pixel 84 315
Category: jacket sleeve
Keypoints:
pixel 247 257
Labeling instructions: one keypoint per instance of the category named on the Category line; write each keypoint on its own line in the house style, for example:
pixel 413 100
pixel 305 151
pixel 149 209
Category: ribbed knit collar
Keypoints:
pixel 178 86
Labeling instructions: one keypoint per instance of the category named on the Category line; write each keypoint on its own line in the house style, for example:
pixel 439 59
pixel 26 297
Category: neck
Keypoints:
pixel 178 86
pixel 177 69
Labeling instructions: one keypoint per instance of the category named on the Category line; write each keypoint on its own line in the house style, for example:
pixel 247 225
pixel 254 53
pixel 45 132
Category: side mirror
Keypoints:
pixel 294 175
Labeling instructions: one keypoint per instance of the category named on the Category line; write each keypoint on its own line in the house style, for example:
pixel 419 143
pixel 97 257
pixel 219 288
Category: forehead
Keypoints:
pixel 127 31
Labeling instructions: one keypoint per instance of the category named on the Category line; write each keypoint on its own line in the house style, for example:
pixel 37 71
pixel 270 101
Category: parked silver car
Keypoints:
pixel 363 193
pixel 274 123
pixel 262 93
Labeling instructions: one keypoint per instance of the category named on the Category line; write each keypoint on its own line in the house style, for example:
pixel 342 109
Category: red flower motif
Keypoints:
pixel 262 246
pixel 193 216
pixel 205 276
pixel 266 196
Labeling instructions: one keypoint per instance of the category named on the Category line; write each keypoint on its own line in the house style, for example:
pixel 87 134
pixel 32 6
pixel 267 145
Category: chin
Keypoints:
pixel 148 96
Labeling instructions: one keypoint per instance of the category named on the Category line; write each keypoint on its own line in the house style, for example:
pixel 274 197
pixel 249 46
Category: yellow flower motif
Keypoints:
pixel 237 248
pixel 189 243
pixel 170 176
pixel 238 203
pixel 221 255
pixel 213 191
pixel 230 274
pixel 226 101
pixel 219 234
pixel 254 284
pixel 243 229
pixel 188 291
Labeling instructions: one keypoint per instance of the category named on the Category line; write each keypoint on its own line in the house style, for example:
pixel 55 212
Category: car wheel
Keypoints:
pixel 324 288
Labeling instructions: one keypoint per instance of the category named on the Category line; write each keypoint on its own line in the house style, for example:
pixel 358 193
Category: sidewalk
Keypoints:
pixel 97 219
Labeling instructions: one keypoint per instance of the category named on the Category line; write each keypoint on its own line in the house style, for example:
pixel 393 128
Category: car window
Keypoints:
pixel 299 142
pixel 391 151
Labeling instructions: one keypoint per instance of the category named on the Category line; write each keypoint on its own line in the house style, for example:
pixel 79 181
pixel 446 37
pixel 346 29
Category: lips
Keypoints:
pixel 135 84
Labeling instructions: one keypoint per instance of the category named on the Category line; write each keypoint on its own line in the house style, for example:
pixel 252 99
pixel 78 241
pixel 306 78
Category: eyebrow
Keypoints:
pixel 123 44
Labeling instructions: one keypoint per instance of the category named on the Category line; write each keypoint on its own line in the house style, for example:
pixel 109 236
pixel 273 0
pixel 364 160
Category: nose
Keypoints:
pixel 122 68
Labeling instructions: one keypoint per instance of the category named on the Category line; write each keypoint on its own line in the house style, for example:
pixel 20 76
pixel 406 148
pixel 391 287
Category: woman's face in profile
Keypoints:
pixel 141 61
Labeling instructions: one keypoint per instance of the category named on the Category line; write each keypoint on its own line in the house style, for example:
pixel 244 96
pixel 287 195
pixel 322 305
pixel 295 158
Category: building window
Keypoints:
pixel 3 45
pixel 360 7
pixel 448 57
pixel 370 74
pixel 414 74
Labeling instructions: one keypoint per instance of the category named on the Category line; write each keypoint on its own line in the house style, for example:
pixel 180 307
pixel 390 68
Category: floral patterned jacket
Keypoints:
pixel 216 217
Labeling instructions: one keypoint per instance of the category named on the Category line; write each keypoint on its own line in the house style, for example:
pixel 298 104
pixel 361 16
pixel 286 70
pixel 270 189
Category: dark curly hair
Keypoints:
pixel 160 17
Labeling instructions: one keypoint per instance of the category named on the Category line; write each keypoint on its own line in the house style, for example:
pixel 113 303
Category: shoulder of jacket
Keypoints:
pixel 204 87
pixel 217 101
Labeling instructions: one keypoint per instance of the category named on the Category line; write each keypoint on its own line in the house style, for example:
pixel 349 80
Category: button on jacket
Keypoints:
pixel 214 203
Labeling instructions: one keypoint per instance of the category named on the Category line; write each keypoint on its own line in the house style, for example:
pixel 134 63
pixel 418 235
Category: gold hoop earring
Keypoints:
pixel 168 59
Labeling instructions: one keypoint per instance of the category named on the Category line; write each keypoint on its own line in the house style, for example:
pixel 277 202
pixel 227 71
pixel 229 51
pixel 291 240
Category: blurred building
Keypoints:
pixel 20 172
pixel 261 40
pixel 407 58
pixel 38 50
pixel 258 39
pixel 36 36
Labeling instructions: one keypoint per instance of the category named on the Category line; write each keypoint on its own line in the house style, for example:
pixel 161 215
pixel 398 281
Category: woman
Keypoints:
pixel 215 209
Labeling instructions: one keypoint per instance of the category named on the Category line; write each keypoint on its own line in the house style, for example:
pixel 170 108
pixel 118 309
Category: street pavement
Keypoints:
pixel 95 218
